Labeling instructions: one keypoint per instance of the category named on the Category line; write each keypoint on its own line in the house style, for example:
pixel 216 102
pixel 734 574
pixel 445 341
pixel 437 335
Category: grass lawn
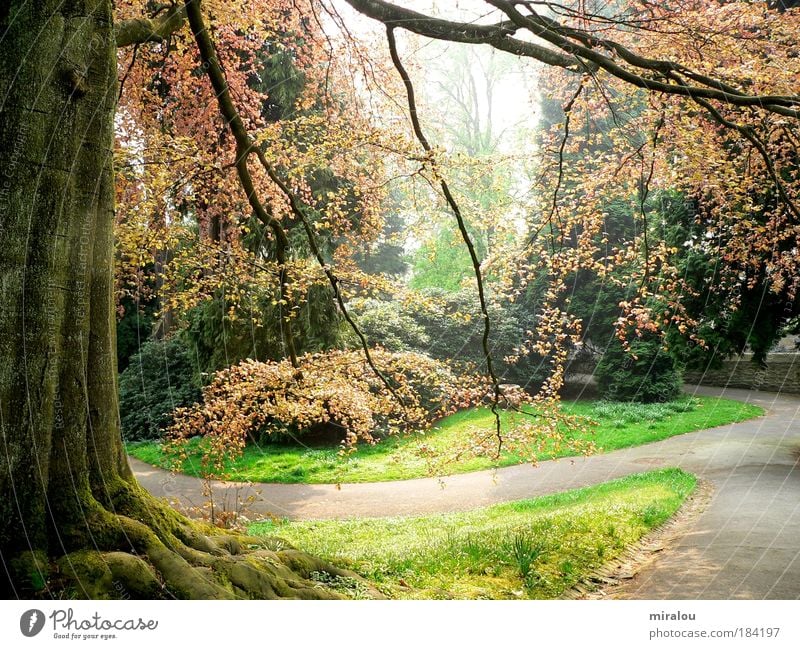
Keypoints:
pixel 397 458
pixel 536 548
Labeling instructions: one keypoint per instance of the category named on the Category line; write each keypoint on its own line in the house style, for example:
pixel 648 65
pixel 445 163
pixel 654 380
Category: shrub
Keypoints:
pixel 633 413
pixel 388 324
pixel 448 326
pixel 334 391
pixel 220 340
pixel 158 379
pixel 646 374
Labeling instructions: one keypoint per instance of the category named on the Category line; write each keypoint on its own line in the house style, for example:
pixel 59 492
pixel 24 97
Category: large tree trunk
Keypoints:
pixel 65 485
pixel 58 399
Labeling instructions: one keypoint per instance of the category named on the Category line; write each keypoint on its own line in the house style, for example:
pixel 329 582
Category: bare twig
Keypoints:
pixel 462 226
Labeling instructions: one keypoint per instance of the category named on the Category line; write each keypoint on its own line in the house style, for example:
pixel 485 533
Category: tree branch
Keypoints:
pixel 576 50
pixel 582 45
pixel 462 227
pixel 150 30
pixel 244 147
pixel 498 36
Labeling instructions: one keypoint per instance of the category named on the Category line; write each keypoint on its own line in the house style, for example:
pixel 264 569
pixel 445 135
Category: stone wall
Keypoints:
pixel 782 374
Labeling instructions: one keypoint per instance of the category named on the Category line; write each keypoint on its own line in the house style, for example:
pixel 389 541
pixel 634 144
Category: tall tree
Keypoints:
pixel 728 110
pixel 65 482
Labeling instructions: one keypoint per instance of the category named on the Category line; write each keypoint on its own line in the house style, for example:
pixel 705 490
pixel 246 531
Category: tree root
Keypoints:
pixel 143 549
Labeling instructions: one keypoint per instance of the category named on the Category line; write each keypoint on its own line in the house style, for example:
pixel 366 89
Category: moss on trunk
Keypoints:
pixel 73 516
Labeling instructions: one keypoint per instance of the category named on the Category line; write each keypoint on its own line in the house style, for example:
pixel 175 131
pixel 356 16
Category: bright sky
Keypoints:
pixel 513 106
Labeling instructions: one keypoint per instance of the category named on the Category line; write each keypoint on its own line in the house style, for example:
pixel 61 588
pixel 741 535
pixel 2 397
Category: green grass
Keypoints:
pixel 619 425
pixel 536 548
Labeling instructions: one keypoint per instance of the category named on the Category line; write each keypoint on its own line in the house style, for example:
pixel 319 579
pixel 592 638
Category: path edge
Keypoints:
pixel 613 579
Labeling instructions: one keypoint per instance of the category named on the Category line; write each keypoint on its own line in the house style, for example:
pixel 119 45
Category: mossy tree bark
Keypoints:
pixel 69 505
pixel 57 362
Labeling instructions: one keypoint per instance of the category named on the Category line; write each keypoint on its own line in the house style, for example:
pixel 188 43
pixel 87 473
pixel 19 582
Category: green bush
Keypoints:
pixel 432 327
pixel 388 325
pixel 158 379
pixel 646 374
pixel 629 413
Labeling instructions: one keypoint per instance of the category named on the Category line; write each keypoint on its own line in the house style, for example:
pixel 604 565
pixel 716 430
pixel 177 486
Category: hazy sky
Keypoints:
pixel 514 97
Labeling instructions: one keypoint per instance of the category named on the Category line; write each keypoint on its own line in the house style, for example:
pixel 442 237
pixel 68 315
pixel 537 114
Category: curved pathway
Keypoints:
pixel 746 544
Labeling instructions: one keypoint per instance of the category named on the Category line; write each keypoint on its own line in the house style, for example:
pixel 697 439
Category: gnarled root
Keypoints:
pixel 144 549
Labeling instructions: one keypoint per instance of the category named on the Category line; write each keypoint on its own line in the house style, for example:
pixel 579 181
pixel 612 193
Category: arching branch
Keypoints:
pixel 499 36
pixel 245 146
pixel 574 49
